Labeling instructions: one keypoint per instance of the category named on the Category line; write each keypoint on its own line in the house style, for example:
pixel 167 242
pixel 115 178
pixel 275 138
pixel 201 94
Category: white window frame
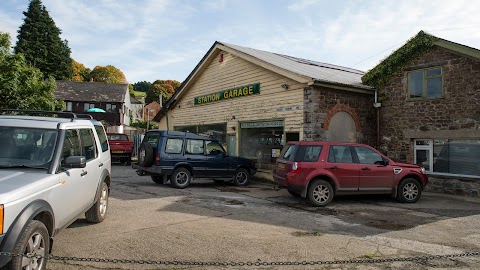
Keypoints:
pixel 428 147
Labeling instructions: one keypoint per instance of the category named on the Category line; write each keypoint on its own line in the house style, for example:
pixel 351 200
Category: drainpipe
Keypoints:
pixel 377 106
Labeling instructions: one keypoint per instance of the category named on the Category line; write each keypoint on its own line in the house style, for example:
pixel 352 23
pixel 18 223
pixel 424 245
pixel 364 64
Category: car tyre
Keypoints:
pixel 98 211
pixel 241 177
pixel 157 179
pixel 294 193
pixel 145 155
pixel 409 191
pixel 181 178
pixel 34 240
pixel 320 193
pixel 129 160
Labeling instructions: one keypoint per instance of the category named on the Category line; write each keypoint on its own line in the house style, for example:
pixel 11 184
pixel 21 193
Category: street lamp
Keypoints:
pixel 148 118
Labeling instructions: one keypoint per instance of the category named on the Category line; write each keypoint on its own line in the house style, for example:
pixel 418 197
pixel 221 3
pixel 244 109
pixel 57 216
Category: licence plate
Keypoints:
pixel 281 166
pixel 117 151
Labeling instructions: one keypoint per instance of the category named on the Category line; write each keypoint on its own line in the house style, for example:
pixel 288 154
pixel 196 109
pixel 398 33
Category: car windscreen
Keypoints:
pixel 27 147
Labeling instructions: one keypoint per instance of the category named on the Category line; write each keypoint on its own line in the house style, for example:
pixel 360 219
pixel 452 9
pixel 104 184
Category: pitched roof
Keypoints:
pixel 91 91
pixel 417 45
pixel 313 70
pixel 298 69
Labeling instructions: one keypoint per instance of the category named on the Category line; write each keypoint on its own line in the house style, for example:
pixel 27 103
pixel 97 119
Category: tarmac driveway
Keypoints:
pixel 221 223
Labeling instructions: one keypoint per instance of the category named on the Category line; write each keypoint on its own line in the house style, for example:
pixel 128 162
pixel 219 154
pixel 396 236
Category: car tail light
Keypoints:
pixel 157 158
pixel 295 168
pixel 1 219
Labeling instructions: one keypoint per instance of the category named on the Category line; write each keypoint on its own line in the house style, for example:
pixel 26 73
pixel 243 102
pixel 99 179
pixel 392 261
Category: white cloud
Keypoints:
pixel 302 4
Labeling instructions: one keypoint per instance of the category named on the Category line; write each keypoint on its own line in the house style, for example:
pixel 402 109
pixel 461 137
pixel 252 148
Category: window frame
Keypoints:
pixel 425 79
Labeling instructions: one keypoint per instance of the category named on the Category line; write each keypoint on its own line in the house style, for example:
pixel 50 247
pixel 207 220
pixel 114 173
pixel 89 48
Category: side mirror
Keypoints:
pixel 75 162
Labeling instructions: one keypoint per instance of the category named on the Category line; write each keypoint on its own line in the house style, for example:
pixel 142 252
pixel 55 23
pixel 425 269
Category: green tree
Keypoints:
pixel 39 41
pixel 131 91
pixel 164 87
pixel 108 74
pixel 142 86
pixel 80 72
pixel 21 85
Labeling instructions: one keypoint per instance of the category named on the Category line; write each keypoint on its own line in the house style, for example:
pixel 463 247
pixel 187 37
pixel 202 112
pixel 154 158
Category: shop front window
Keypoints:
pixel 262 141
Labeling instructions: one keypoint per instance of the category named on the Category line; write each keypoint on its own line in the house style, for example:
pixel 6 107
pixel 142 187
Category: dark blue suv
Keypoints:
pixel 181 156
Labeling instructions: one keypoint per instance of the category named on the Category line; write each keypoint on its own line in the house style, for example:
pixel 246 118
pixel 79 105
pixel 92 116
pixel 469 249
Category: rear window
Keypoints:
pixel 288 151
pixel 152 138
pixel 117 137
pixel 308 153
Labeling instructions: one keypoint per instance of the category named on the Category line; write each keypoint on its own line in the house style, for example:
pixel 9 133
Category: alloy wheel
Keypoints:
pixel 321 193
pixel 241 178
pixel 34 253
pixel 104 201
pixel 181 178
pixel 410 191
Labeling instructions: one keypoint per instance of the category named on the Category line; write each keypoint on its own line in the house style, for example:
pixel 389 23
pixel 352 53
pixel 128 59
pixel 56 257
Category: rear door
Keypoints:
pixel 374 175
pixel 195 156
pixel 284 164
pixel 341 165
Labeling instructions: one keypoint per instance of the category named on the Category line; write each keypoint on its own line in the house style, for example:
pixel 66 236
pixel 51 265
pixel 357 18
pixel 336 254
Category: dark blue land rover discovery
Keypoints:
pixel 181 156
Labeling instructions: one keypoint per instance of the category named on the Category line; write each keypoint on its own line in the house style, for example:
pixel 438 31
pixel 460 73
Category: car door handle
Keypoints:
pixel 366 169
pixel 83 173
pixel 334 168
pixel 100 165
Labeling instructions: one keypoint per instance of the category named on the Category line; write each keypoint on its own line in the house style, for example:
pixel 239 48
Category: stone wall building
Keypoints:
pixel 430 114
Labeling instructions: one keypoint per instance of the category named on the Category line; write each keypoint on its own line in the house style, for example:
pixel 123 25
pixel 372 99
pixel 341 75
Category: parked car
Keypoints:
pixel 319 171
pixel 121 148
pixel 179 157
pixel 52 169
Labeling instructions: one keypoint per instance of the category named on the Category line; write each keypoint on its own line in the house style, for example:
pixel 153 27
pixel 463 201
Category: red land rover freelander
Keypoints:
pixel 319 170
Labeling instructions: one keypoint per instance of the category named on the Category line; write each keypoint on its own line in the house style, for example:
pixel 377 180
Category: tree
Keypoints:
pixel 142 86
pixel 164 87
pixel 108 74
pixel 80 72
pixel 23 86
pixel 39 41
pixel 131 91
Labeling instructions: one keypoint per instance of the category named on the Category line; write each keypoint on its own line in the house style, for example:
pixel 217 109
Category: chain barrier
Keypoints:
pixel 258 263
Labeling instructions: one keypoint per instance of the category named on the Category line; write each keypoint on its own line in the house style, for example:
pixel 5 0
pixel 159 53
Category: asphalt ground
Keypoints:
pixel 218 222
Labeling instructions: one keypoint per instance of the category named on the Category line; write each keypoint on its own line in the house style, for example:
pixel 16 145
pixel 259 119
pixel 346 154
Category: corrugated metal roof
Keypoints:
pixel 91 91
pixel 317 71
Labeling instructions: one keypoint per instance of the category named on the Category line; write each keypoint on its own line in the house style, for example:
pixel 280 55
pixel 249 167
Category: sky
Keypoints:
pixel 165 39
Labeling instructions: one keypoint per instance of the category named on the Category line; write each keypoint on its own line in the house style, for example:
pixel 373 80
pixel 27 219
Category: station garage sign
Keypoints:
pixel 242 91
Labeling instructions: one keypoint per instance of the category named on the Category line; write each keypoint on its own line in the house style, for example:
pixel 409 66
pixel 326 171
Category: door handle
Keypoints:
pixel 100 165
pixel 83 173
pixel 334 168
pixel 366 169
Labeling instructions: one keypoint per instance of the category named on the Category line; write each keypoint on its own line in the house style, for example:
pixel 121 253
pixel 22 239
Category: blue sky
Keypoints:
pixel 165 39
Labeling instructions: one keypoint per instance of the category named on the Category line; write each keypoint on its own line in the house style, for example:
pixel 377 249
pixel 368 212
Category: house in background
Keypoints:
pixel 113 98
pixel 150 110
pixel 430 110
pixel 136 109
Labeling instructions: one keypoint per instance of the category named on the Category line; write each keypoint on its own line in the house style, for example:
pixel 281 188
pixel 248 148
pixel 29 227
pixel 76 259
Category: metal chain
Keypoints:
pixel 279 263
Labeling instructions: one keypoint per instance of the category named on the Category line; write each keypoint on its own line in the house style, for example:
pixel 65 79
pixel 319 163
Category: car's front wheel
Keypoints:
pixel 241 177
pixel 320 193
pixel 409 191
pixel 181 178
pixel 98 211
pixel 33 244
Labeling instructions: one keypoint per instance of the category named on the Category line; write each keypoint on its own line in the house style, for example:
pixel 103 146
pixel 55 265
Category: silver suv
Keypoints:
pixel 52 170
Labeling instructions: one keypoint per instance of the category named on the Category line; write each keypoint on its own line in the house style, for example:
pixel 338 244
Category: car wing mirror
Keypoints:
pixel 75 162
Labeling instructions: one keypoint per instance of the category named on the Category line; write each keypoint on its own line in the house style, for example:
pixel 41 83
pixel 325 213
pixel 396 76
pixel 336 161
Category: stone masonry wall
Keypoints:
pixel 321 103
pixel 455 116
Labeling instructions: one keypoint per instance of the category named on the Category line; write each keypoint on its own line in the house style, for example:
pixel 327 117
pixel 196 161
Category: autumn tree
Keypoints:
pixel 39 41
pixel 164 87
pixel 131 91
pixel 108 74
pixel 80 72
pixel 21 85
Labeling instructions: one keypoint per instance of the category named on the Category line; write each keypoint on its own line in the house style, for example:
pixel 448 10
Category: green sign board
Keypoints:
pixel 242 91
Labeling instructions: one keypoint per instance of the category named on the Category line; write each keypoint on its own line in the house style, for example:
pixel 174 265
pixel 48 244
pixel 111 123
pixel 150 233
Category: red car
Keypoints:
pixel 320 170
pixel 121 148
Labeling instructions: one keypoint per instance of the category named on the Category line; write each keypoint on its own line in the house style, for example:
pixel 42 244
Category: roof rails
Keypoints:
pixel 69 115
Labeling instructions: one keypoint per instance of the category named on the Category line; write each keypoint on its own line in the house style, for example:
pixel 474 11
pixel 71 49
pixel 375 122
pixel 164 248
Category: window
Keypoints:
pixel 71 146
pixel 426 83
pixel 214 148
pixel 87 106
pixel 340 154
pixel 111 107
pixel 308 153
pixel 152 138
pixel 174 146
pixel 448 157
pixel 117 137
pixel 288 152
pixel 102 137
pixel 194 147
pixel 368 156
pixel 69 106
pixel 89 148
